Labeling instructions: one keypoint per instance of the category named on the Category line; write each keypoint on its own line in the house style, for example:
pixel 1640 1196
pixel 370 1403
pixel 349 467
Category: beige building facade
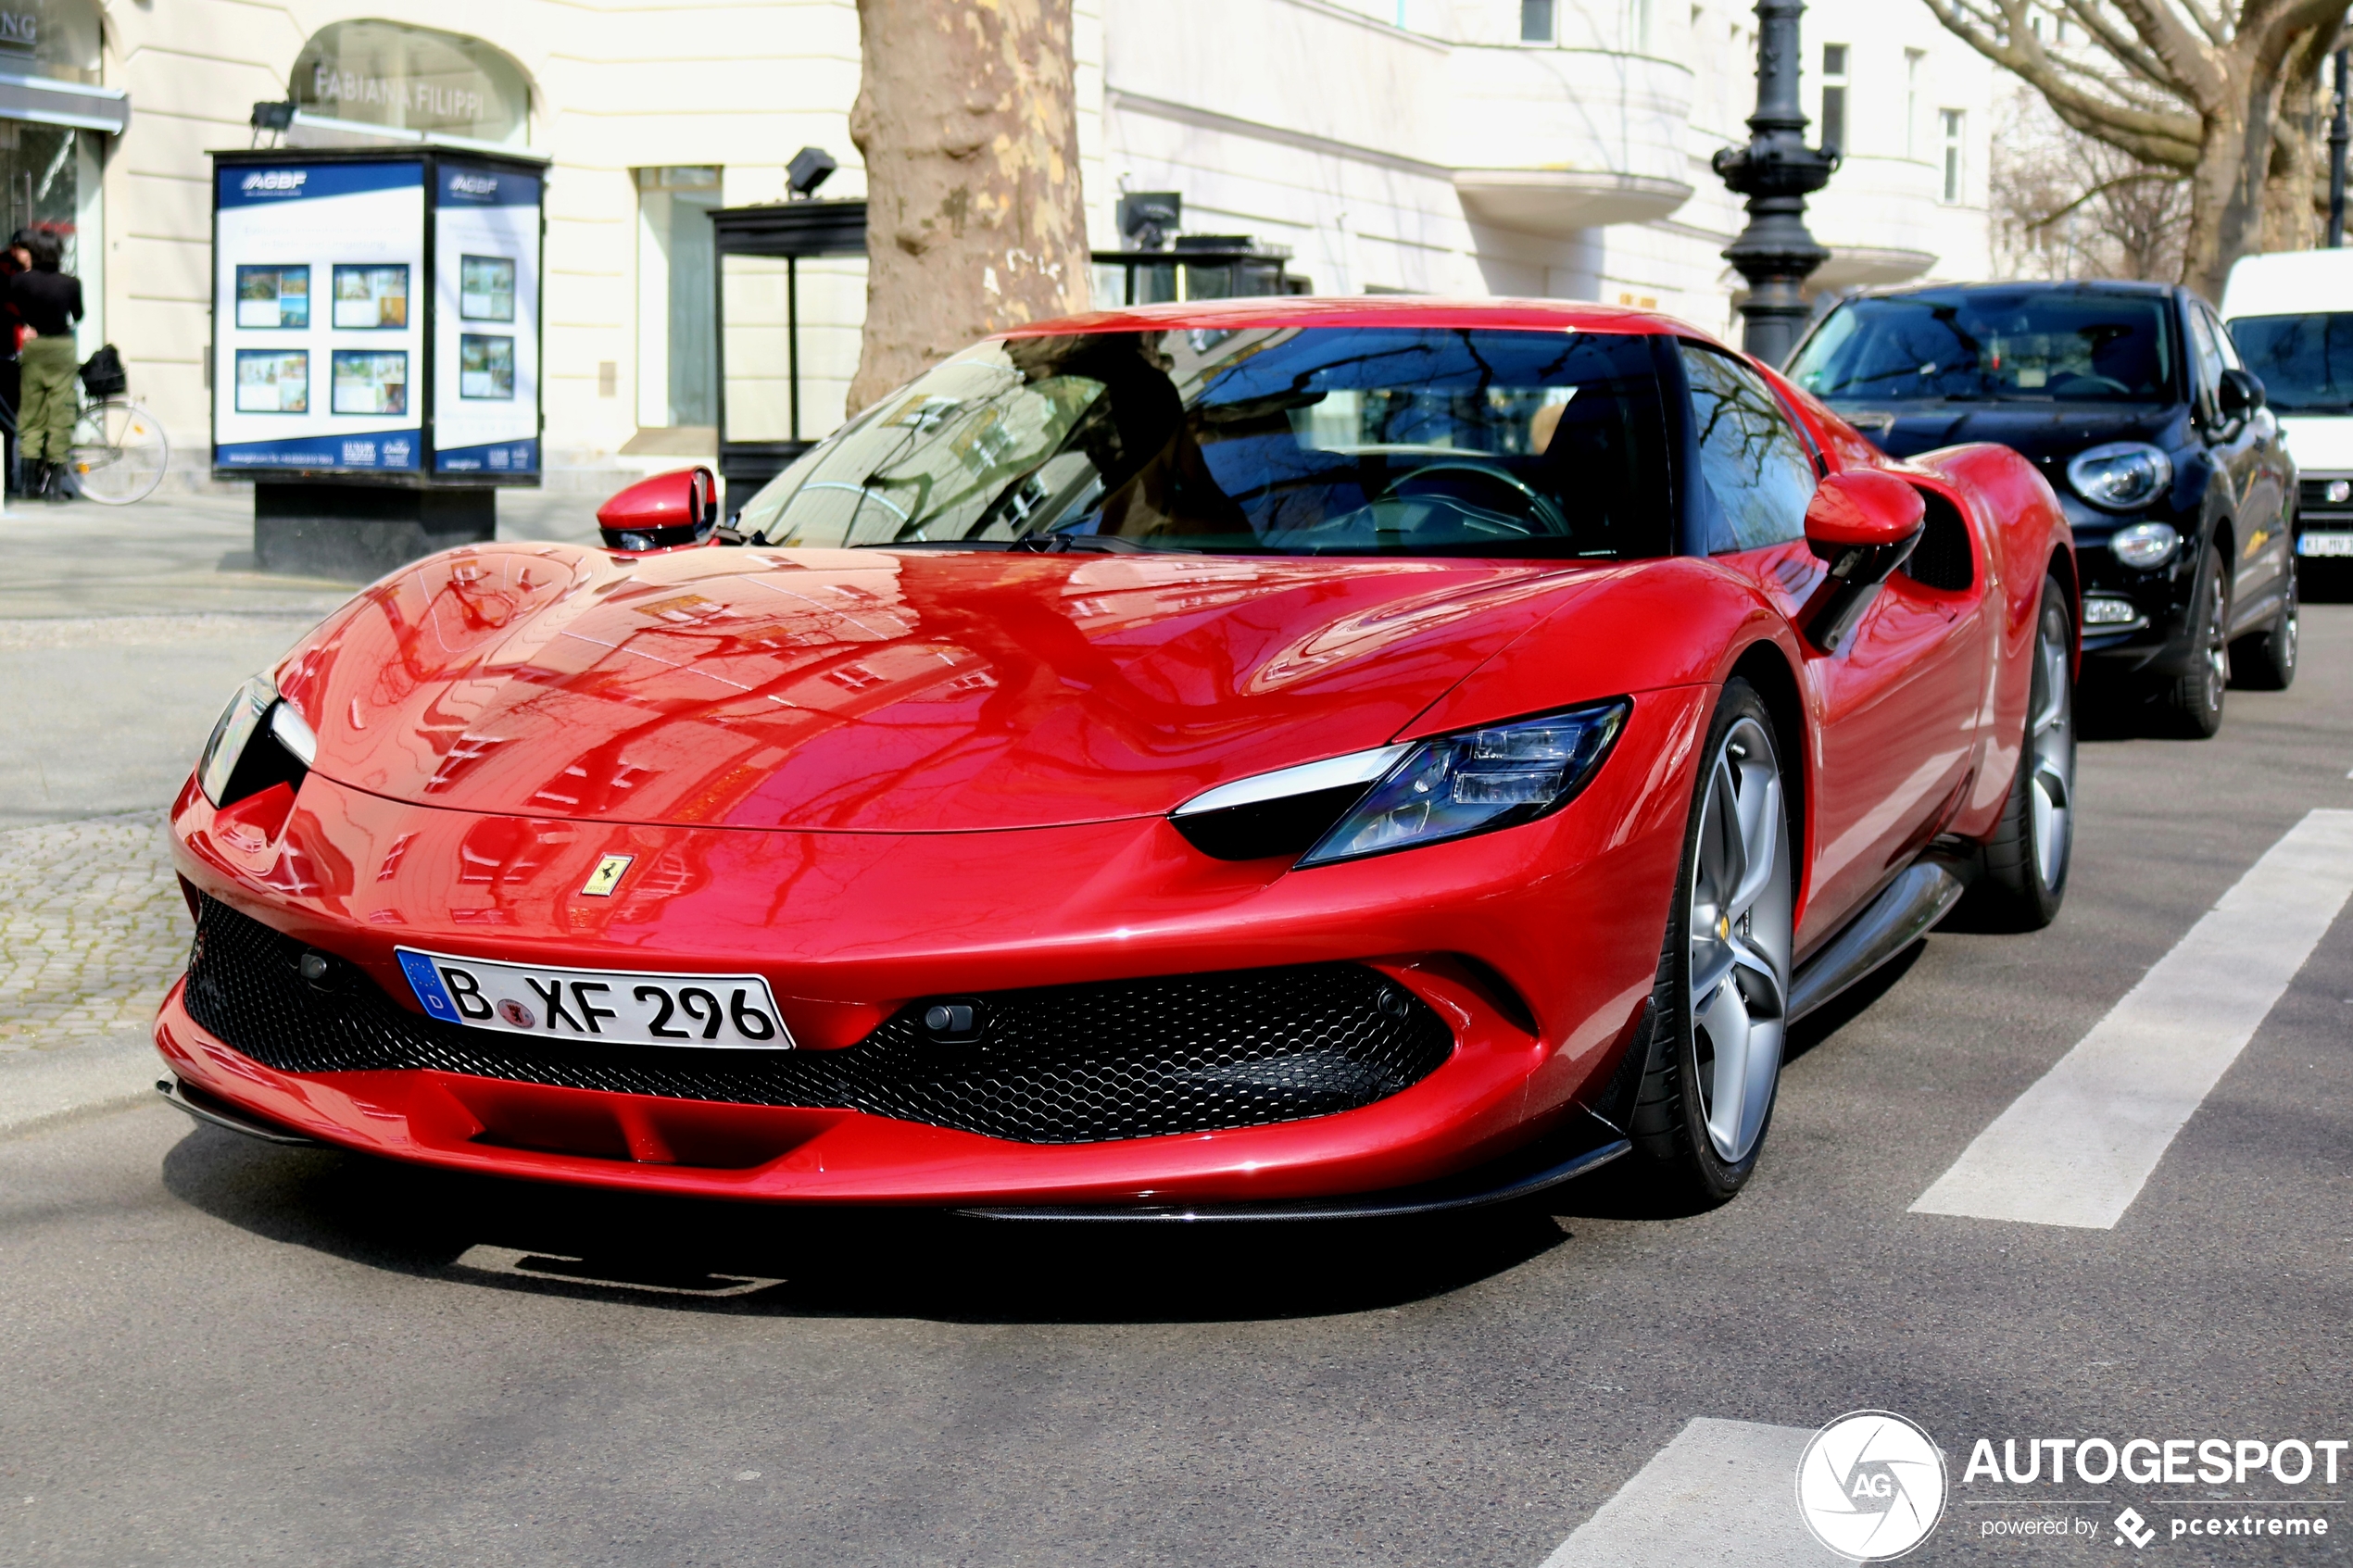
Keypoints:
pixel 1464 146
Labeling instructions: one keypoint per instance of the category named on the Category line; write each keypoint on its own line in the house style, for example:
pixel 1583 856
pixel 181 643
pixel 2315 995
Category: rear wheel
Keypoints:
pixel 1714 1054
pixel 118 454
pixel 2193 703
pixel 2026 861
pixel 2268 663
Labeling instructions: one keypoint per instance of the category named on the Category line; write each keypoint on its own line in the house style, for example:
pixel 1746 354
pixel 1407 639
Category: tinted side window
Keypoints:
pixel 1755 476
pixel 2204 354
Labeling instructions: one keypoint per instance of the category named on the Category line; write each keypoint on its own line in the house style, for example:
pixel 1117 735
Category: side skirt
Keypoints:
pixel 1923 894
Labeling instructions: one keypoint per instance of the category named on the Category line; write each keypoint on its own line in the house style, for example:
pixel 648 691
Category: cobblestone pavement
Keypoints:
pixel 92 930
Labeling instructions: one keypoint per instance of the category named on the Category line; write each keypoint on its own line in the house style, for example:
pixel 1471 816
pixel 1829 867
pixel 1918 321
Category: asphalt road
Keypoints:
pixel 213 1351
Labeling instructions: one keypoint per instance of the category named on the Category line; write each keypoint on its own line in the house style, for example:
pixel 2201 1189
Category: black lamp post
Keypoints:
pixel 1776 172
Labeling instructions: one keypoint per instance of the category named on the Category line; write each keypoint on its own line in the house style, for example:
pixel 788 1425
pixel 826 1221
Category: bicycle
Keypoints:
pixel 118 452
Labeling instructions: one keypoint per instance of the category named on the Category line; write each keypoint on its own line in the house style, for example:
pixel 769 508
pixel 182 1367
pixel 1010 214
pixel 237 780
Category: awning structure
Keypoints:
pixel 65 103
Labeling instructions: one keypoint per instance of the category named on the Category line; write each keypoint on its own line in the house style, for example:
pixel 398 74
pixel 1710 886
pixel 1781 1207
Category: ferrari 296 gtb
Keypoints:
pixel 1256 758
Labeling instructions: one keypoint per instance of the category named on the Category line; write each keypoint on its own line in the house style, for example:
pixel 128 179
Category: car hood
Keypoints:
pixel 867 690
pixel 2049 433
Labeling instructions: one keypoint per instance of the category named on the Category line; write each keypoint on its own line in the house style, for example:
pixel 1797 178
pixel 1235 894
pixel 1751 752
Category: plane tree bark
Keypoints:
pixel 2218 95
pixel 967 116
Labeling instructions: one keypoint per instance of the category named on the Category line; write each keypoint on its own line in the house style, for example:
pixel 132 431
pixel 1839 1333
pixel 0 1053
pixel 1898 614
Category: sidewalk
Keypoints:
pixel 122 632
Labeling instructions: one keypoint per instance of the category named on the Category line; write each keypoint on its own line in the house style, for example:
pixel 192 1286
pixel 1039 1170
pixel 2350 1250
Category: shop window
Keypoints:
pixel 389 76
pixel 56 40
pixel 49 181
pixel 677 365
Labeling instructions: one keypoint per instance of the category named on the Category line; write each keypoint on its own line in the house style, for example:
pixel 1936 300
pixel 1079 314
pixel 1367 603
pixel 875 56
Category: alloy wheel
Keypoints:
pixel 2051 783
pixel 2216 669
pixel 1741 939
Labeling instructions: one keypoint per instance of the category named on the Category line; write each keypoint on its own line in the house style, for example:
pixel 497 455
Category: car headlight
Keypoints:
pixel 2144 545
pixel 234 764
pixel 2120 475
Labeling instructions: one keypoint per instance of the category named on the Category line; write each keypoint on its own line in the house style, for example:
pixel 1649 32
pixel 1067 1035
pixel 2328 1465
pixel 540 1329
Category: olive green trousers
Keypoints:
pixel 45 415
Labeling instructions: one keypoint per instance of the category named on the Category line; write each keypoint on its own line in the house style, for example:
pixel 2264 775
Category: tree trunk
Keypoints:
pixel 968 120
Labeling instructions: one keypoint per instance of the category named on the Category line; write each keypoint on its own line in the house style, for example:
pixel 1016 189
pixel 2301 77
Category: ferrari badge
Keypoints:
pixel 606 877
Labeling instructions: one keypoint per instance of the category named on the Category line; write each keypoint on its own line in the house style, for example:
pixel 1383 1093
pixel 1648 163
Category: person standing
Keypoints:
pixel 50 302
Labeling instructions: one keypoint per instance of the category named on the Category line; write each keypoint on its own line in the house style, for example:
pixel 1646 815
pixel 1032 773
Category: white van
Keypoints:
pixel 2292 316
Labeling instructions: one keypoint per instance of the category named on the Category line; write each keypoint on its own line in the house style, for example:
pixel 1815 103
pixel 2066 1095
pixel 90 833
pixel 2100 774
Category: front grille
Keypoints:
pixel 1133 1059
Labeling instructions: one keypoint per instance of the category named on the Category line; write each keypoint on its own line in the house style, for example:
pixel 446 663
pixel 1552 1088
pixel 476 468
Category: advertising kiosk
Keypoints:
pixel 375 356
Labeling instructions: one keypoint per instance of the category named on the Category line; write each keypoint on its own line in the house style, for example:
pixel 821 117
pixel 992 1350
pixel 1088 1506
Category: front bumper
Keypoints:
pixel 1535 946
pixel 2150 624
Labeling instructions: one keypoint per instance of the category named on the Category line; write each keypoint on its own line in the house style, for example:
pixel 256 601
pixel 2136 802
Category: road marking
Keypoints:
pixel 2075 1149
pixel 1722 1495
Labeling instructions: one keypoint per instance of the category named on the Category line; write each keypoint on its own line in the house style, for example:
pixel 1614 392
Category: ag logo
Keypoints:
pixel 1870 1486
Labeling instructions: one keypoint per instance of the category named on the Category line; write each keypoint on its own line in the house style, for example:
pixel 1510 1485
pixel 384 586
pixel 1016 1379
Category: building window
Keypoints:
pixel 1535 21
pixel 411 80
pixel 1834 95
pixel 1955 124
pixel 1638 26
pixel 1912 58
pixel 678 364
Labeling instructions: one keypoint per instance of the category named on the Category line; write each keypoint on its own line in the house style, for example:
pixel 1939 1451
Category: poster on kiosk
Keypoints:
pixel 376 317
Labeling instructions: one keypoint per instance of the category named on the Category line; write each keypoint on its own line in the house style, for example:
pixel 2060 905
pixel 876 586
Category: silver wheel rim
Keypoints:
pixel 1741 936
pixel 2051 745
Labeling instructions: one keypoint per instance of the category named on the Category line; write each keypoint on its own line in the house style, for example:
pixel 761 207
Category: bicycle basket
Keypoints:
pixel 104 376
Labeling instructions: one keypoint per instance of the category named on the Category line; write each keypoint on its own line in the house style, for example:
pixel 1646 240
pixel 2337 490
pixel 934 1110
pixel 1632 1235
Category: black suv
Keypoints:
pixel 2132 401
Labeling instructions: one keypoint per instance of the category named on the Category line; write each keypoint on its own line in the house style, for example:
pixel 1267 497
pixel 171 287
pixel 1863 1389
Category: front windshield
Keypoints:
pixel 1299 441
pixel 2306 362
pixel 1969 346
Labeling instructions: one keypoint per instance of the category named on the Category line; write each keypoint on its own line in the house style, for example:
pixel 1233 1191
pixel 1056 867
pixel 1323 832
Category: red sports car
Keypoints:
pixel 1272 758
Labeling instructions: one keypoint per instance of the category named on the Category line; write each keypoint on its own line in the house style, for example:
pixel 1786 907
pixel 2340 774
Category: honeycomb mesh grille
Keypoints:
pixel 1071 1064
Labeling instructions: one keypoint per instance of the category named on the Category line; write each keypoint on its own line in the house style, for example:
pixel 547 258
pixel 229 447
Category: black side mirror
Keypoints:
pixel 2242 393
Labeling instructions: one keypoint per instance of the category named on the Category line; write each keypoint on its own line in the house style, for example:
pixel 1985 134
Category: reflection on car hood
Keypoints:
pixel 867 690
pixel 2049 432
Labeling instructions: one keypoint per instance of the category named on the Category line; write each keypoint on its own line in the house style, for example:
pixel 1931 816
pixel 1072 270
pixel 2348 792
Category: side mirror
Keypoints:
pixel 662 513
pixel 2242 395
pixel 1865 523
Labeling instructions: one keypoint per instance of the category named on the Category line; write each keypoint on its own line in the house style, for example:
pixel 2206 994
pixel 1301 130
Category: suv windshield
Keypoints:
pixel 2021 344
pixel 2306 362
pixel 1299 441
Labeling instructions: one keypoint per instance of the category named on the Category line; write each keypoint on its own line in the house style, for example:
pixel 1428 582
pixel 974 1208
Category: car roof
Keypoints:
pixel 2300 283
pixel 2031 285
pixel 1368 311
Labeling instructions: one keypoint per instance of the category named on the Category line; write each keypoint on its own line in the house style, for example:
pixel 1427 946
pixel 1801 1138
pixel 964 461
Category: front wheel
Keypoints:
pixel 2192 704
pixel 118 454
pixel 1720 1003
pixel 2026 861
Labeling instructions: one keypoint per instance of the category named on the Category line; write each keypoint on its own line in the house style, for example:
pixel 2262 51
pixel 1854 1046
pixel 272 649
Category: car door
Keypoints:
pixel 2267 548
pixel 1895 708
pixel 2241 452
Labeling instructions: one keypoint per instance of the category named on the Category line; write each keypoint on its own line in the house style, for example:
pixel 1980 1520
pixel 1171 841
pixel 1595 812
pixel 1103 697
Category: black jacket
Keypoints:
pixel 49 302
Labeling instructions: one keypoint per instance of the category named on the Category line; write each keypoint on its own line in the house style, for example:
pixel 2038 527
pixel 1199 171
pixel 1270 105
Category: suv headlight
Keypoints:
pixel 2121 475
pixel 1413 792
pixel 2145 545
pixel 235 764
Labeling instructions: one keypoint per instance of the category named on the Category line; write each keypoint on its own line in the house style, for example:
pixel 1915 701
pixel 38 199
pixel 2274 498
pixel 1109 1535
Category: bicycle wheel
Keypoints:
pixel 118 452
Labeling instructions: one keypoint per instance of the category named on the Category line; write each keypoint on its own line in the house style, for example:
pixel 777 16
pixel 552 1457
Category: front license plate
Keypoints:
pixel 619 1007
pixel 2324 544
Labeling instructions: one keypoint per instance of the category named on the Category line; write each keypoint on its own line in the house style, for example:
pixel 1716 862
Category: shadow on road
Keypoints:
pixel 694 1255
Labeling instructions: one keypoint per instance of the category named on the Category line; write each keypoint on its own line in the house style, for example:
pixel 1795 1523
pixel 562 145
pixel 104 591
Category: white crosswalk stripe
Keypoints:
pixel 1722 1495
pixel 2076 1147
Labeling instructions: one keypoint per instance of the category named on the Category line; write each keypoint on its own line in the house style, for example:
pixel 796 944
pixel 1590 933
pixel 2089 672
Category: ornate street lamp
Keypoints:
pixel 1776 172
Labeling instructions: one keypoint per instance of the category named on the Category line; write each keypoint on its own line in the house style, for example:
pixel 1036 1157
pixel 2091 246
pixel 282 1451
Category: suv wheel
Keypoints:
pixel 2193 703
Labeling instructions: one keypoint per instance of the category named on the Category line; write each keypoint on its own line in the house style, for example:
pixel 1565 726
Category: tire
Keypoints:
pixel 118 454
pixel 1706 1099
pixel 2268 663
pixel 2191 705
pixel 2024 872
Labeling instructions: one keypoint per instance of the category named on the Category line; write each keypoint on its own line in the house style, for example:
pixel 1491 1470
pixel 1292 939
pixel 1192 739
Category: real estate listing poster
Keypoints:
pixel 318 384
pixel 487 321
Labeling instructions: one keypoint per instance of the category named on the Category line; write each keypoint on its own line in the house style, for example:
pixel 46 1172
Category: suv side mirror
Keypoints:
pixel 1866 525
pixel 662 513
pixel 2241 395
